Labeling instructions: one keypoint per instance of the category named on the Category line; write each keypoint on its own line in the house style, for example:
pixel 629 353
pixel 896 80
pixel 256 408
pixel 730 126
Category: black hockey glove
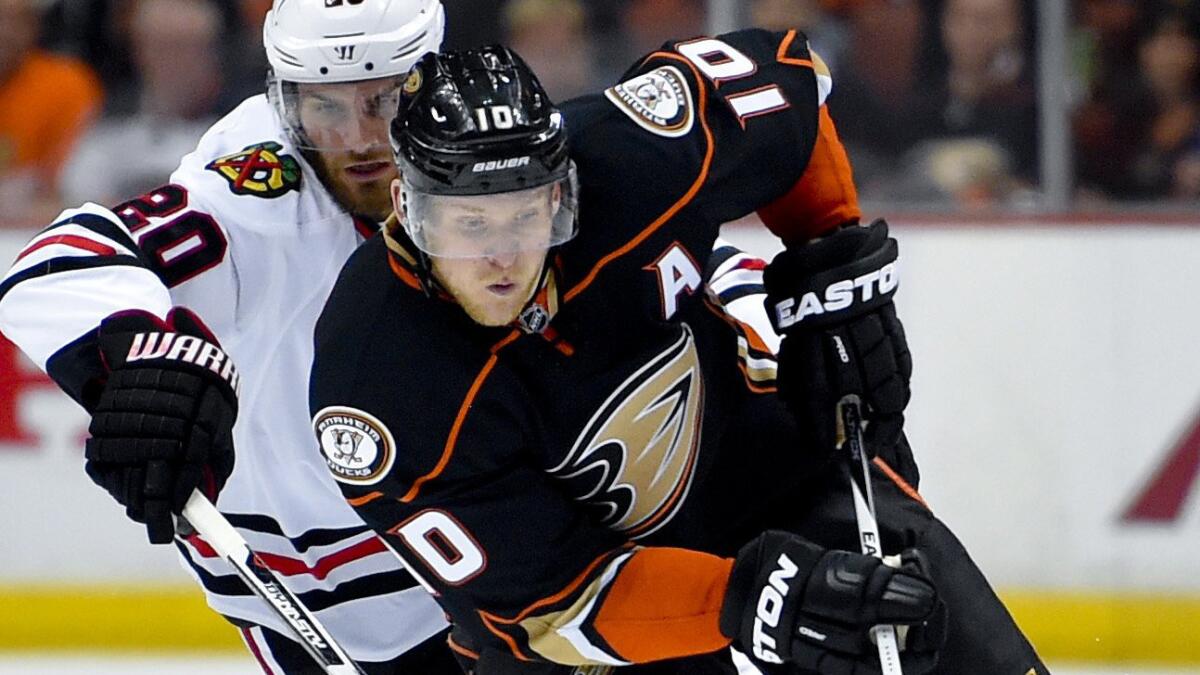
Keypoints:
pixel 164 421
pixel 791 601
pixel 831 300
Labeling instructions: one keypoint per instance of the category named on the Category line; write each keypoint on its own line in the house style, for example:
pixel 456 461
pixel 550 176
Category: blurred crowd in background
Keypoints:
pixel 937 100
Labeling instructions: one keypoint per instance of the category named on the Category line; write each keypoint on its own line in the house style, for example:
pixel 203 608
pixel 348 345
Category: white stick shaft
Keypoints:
pixel 850 418
pixel 218 533
pixel 868 535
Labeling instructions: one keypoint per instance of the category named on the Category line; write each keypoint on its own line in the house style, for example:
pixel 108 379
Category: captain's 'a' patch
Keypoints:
pixel 659 101
pixel 357 447
pixel 259 170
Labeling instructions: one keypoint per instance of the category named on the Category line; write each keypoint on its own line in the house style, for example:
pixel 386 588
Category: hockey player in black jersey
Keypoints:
pixel 526 388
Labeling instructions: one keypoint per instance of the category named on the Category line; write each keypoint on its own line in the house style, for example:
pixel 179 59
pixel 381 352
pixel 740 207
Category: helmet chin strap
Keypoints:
pixel 425 273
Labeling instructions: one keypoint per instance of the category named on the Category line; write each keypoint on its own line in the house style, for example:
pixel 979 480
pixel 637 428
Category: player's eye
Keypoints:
pixel 384 104
pixel 327 108
pixel 473 227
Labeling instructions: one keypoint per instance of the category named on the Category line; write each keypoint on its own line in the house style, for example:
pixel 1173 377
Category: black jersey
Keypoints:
pixel 572 486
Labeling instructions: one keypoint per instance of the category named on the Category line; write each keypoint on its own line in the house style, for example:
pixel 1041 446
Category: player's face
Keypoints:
pixel 347 126
pixel 499 244
pixel 492 291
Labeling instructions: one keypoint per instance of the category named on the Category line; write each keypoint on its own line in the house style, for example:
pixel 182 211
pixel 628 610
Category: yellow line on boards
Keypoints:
pixel 1098 627
pixel 111 618
pixel 1088 627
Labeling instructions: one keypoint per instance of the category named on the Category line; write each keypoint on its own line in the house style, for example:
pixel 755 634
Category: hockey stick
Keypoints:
pixel 850 417
pixel 216 530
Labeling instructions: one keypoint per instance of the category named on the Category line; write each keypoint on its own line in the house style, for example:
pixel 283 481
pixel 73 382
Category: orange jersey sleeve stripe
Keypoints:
pixel 491 621
pixel 452 439
pixel 786 44
pixel 753 339
pixel 665 603
pixel 365 499
pixel 823 198
pixel 454 646
pixel 404 275
pixel 900 482
pixel 565 592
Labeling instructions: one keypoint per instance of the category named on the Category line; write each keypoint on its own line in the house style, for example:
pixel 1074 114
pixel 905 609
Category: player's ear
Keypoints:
pixel 398 198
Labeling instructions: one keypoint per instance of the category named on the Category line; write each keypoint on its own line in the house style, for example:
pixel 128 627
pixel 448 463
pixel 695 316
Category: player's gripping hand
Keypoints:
pixel 164 420
pixel 831 300
pixel 791 601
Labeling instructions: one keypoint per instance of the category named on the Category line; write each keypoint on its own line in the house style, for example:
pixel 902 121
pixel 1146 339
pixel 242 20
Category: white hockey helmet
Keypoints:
pixel 324 42
pixel 349 40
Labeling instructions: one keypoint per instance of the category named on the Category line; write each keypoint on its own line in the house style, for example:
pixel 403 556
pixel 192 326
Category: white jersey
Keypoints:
pixel 246 236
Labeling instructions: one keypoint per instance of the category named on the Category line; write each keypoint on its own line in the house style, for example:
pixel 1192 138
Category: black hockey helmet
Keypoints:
pixel 462 109
pixel 478 122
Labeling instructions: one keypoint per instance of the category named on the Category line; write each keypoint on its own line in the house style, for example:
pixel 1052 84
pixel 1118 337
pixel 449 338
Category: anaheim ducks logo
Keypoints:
pixel 659 101
pixel 357 447
pixel 636 457
pixel 259 170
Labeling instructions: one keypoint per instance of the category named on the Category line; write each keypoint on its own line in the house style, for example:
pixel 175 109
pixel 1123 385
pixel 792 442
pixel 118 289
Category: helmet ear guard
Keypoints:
pixel 402 212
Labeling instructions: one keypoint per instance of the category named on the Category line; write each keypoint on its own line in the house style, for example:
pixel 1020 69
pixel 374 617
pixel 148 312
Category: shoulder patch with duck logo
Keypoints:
pixel 357 447
pixel 659 101
pixel 259 170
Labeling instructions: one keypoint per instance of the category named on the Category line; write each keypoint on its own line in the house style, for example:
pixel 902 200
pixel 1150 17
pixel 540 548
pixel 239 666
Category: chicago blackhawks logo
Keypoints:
pixel 259 170
pixel 636 457
pixel 659 101
pixel 358 448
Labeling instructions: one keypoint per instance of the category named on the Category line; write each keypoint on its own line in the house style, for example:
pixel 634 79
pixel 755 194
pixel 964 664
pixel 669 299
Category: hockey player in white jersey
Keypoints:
pixel 249 234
